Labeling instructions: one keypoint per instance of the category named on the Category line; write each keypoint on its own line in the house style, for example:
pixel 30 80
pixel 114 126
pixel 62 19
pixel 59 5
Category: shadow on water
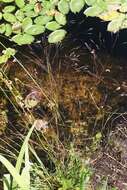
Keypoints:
pixel 80 87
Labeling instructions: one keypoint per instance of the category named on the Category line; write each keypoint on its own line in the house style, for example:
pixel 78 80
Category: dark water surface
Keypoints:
pixel 85 82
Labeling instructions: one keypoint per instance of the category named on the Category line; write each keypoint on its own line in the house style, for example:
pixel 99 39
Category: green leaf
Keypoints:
pixel 35 29
pixel 23 148
pixel 20 3
pixel 3 59
pixel 54 2
pixel 8 30
pixel 0 16
pixel 23 39
pixel 48 5
pixel 7 1
pixel 76 5
pixel 26 170
pixel 43 12
pixel 115 25
pixel 27 22
pixel 123 7
pixel 53 25
pixel 28 7
pixel 93 11
pixel 19 15
pixel 9 17
pixel 33 2
pixel 90 2
pixel 124 24
pixel 98 136
pixel 42 20
pixel 60 18
pixel 57 36
pixel 102 4
pixel 63 6
pixel 110 15
pixel 30 14
pixel 9 9
pixel 20 181
pixel 2 28
pixel 9 52
pixel 6 181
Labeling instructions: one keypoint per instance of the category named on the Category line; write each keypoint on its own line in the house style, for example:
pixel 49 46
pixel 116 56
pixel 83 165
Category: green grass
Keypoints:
pixel 25 175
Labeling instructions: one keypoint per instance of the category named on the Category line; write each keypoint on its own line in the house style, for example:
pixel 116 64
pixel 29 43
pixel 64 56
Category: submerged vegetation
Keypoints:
pixel 62 102
pixel 71 107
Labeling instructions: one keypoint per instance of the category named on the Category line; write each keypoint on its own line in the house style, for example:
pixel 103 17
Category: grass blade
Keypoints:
pixel 12 170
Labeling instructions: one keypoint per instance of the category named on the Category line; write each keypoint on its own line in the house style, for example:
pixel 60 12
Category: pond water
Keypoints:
pixel 73 90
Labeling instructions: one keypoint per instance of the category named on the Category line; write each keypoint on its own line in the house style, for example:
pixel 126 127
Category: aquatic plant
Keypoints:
pixel 23 20
pixel 6 54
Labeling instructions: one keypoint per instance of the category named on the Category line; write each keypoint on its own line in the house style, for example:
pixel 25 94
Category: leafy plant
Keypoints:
pixel 6 54
pixel 22 20
pixel 19 181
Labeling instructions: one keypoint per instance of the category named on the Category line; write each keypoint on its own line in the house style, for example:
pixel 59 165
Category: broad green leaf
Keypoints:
pixel 30 14
pixel 27 22
pixel 113 1
pixel 9 52
pixel 76 5
pixel 42 20
pixel 110 15
pixel 124 24
pixel 9 9
pixel 63 6
pixel 8 30
pixel 115 25
pixel 60 18
pixel 23 39
pixel 20 3
pixel 2 28
pixel 0 16
pixel 33 1
pixel 102 4
pixel 54 2
pixel 123 7
pixel 90 2
pixel 9 17
pixel 3 59
pixel 28 7
pixel 43 12
pixel 51 12
pixel 53 25
pixel 7 1
pixel 48 5
pixel 20 181
pixel 35 29
pixel 93 11
pixel 19 15
pixel 57 36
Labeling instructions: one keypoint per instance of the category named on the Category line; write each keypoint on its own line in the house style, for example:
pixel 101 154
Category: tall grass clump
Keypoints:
pixel 73 173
